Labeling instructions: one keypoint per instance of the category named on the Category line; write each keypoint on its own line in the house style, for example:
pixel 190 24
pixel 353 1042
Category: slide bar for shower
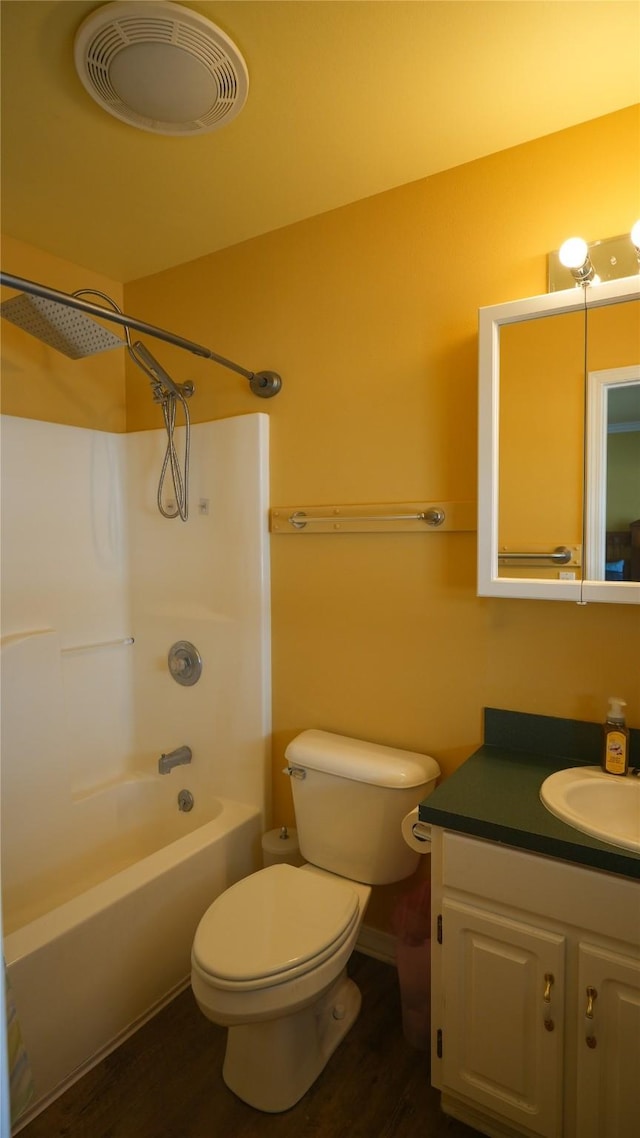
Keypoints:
pixel 268 381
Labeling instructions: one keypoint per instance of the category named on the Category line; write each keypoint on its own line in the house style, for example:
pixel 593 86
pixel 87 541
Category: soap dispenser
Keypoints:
pixel 615 758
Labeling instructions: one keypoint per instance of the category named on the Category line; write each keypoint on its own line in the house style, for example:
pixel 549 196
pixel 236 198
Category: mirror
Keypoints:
pixel 559 446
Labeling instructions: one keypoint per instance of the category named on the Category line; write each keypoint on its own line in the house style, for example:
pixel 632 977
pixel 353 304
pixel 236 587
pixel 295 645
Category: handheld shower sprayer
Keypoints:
pixel 161 382
pixel 168 394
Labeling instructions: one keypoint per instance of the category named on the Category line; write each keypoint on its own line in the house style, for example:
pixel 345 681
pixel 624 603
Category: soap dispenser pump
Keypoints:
pixel 615 758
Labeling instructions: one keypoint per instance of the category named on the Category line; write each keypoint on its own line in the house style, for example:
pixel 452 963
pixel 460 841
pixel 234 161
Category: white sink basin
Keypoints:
pixel 606 806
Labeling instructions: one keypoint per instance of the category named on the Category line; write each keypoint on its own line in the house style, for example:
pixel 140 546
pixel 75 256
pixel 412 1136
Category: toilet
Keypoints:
pixel 270 954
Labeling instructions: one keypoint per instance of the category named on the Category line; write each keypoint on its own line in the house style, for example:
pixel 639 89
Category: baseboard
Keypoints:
pixel 373 942
pixel 454 1108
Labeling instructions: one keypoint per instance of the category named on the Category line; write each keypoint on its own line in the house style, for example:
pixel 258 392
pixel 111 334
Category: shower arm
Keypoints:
pixel 262 383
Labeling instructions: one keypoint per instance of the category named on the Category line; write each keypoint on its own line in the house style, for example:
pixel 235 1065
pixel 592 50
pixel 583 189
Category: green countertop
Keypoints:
pixel 495 794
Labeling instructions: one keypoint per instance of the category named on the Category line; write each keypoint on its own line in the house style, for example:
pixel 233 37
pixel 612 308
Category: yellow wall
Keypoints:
pixel 370 314
pixel 40 383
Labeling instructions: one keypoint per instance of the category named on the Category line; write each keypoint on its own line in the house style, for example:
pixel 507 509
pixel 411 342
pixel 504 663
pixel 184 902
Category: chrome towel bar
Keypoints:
pixel 433 517
pixel 397 517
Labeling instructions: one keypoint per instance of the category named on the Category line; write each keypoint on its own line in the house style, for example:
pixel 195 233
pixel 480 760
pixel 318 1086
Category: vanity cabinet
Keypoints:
pixel 535 992
pixel 495 1047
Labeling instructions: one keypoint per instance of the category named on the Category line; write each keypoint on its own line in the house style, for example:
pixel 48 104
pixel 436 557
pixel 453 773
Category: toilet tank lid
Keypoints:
pixel 361 761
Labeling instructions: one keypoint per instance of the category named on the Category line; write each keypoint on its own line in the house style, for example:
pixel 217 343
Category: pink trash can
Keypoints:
pixel 412 925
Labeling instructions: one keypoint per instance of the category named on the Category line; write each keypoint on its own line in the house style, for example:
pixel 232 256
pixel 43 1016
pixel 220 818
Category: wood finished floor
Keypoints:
pixel 166 1082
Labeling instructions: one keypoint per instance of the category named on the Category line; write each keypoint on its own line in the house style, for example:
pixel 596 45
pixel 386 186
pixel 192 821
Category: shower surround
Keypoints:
pixel 103 878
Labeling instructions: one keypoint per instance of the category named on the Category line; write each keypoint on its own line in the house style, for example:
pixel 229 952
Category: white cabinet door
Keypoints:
pixel 608 1057
pixel 502 1031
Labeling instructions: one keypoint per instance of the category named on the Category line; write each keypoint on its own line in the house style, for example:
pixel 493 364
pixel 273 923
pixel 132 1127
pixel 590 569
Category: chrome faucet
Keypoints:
pixel 173 759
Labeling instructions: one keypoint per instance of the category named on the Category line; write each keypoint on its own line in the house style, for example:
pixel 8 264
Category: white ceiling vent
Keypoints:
pixel 160 67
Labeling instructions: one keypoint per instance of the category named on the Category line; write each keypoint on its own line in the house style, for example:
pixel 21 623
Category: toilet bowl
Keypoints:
pixel 269 962
pixel 269 956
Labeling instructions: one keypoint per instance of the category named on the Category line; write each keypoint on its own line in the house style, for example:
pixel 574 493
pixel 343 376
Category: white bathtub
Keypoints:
pixel 89 971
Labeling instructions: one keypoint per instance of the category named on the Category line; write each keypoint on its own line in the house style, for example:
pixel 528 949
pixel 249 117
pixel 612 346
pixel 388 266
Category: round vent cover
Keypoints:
pixel 160 67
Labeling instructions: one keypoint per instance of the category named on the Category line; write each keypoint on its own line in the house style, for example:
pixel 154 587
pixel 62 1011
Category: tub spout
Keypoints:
pixel 176 758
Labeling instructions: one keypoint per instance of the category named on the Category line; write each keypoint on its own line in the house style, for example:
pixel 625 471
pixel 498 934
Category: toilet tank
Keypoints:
pixel 350 798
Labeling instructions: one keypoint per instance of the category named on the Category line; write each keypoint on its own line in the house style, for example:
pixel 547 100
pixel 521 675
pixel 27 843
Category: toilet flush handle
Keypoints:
pixel 295 772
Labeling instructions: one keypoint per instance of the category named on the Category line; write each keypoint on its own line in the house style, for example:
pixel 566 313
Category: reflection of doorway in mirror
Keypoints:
pixel 612 545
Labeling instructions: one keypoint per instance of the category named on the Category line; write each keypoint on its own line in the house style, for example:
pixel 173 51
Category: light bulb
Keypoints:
pixel 635 236
pixel 573 253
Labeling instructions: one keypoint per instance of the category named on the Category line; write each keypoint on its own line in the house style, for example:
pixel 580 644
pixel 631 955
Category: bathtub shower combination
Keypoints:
pixel 105 873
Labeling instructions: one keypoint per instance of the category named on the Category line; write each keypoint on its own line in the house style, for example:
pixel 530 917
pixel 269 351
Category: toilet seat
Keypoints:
pixel 272 926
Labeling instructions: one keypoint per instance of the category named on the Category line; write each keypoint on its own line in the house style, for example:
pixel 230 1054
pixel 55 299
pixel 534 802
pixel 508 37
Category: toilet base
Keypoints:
pixel 271 1064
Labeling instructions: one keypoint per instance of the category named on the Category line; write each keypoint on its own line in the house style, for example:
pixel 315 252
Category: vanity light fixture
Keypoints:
pixel 578 263
pixel 574 255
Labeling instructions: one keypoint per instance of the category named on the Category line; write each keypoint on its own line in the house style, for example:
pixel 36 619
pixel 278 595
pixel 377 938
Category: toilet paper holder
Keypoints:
pixel 421 831
pixel 416 833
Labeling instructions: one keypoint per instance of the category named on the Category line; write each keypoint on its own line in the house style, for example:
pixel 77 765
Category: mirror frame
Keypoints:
pixel 491 320
pixel 599 384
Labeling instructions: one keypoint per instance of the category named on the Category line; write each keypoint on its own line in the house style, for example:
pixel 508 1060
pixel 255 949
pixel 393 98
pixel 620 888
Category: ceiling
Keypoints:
pixel 346 99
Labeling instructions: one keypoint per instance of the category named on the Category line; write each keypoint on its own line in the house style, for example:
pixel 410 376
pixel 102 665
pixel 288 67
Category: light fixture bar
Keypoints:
pixel 612 258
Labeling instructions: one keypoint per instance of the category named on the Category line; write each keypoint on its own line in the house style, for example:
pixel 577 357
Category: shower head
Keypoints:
pixel 76 335
pixel 65 329
pixel 43 312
